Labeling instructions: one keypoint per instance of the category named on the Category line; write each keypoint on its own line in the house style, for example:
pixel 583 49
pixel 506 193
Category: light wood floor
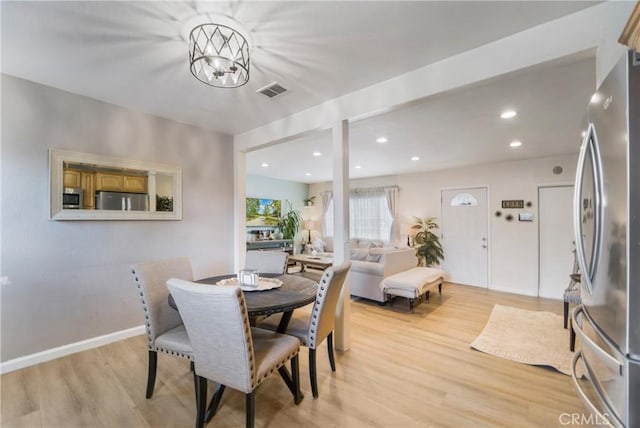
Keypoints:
pixel 404 370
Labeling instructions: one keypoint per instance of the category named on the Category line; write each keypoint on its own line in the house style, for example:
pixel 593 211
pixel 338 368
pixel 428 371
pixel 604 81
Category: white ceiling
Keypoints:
pixel 453 129
pixel 133 54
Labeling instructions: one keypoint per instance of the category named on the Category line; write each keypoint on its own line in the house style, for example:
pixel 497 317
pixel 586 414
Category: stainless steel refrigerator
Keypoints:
pixel 607 229
pixel 121 201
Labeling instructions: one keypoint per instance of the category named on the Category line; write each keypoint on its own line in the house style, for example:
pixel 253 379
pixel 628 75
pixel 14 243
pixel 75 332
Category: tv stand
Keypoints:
pixel 271 245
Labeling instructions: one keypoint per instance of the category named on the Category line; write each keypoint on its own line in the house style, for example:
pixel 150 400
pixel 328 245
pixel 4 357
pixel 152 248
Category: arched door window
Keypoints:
pixel 464 200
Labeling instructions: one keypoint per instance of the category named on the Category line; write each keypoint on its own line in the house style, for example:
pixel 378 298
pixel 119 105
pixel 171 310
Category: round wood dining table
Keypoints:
pixel 295 292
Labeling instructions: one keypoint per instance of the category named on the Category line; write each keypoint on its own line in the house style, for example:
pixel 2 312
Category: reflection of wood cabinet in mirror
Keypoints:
pixel 72 178
pixel 114 182
pixel 134 184
pixel 96 173
pixel 109 182
pixel 88 190
pixel 83 180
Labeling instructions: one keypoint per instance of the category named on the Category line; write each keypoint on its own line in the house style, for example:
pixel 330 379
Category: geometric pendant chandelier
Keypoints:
pixel 219 55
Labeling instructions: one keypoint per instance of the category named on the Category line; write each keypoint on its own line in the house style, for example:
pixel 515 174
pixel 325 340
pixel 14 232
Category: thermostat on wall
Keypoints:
pixel 525 217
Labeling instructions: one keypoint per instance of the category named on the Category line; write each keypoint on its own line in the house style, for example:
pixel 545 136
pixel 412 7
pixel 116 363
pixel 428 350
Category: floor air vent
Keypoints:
pixel 272 90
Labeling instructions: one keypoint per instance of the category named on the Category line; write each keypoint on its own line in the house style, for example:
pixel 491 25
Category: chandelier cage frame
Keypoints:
pixel 219 55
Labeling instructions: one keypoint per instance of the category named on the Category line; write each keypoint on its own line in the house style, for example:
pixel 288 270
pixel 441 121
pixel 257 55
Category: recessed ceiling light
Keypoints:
pixel 584 134
pixel 596 98
pixel 358 167
pixel 381 140
pixel 308 174
pixel 515 144
pixel 415 158
pixel 317 154
pixel 264 165
pixel 508 114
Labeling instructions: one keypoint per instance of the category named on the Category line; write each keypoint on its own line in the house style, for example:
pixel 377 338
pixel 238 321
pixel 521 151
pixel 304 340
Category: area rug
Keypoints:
pixel 529 337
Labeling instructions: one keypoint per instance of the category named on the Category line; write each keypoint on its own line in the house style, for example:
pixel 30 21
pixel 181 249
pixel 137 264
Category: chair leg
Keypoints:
pixel 295 376
pixel 215 402
pixel 312 372
pixel 250 401
pixel 332 360
pixel 151 375
pixel 201 399
pixel 566 313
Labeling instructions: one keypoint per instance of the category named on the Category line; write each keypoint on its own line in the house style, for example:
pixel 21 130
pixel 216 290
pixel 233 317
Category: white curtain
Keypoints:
pixel 391 195
pixel 371 217
pixel 327 213
pixel 372 213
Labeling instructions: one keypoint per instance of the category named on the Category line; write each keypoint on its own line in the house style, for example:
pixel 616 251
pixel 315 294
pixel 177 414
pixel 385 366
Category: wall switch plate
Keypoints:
pixel 525 217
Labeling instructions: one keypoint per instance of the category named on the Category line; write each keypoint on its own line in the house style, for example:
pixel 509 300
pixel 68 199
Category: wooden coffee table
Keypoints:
pixel 313 261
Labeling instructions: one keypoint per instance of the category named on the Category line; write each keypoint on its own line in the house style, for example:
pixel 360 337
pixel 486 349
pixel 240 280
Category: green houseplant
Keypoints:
pixel 428 249
pixel 289 224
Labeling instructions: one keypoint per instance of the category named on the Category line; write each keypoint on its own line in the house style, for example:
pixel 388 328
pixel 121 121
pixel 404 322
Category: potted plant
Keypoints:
pixel 309 202
pixel 428 249
pixel 289 224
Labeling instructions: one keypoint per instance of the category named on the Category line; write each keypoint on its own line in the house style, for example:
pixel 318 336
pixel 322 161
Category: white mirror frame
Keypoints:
pixel 57 158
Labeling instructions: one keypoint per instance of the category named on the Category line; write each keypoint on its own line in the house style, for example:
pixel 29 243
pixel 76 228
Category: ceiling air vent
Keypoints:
pixel 272 90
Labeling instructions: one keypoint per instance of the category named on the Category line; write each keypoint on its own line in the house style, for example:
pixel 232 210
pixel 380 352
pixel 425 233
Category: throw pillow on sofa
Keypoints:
pixel 375 258
pixel 359 254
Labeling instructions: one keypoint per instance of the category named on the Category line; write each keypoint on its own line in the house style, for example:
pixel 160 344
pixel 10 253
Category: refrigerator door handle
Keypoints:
pixel 589 152
pixel 585 340
pixel 609 418
pixel 577 206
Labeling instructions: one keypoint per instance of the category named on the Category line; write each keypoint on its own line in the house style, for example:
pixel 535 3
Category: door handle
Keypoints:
pixel 609 360
pixel 609 418
pixel 577 205
pixel 589 152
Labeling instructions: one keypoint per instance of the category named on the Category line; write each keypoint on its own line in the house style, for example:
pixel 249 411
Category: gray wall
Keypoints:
pixel 70 280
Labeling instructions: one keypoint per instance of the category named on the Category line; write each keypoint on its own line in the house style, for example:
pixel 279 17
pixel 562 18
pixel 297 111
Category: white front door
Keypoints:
pixel 464 236
pixel 555 252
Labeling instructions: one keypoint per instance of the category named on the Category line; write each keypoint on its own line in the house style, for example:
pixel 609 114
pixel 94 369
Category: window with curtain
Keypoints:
pixel 370 214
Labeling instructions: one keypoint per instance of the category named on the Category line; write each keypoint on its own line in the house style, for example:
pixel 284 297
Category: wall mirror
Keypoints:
pixel 85 186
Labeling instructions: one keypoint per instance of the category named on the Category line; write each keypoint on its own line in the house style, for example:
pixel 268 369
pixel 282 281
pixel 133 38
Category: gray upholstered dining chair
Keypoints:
pixel 165 330
pixel 227 350
pixel 320 325
pixel 267 261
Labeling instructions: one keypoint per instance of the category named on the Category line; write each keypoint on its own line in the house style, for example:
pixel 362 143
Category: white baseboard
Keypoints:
pixel 515 291
pixel 72 348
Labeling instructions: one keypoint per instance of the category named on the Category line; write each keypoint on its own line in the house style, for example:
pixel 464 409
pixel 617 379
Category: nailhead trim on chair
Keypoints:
pixel 247 331
pixel 314 316
pixel 174 353
pixel 247 326
pixel 150 345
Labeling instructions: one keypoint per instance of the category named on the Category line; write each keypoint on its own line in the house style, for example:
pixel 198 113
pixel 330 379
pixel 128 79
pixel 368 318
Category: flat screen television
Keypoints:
pixel 263 212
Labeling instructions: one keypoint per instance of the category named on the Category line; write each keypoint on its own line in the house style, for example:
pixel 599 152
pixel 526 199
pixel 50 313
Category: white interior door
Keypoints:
pixel 464 235
pixel 555 226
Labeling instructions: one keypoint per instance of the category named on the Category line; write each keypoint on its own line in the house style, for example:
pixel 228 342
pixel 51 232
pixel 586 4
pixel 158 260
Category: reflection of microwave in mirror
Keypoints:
pixel 72 198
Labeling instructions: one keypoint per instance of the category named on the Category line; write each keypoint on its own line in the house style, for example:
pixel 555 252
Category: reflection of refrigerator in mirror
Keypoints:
pixel 607 232
pixel 120 201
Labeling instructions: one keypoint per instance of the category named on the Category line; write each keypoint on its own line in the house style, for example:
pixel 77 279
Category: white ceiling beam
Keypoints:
pixel 597 27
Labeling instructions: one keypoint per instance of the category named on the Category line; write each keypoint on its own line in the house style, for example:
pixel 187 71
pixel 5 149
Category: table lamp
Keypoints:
pixel 309 225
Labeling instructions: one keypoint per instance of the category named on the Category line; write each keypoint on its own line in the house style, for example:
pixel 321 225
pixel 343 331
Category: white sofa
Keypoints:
pixel 371 262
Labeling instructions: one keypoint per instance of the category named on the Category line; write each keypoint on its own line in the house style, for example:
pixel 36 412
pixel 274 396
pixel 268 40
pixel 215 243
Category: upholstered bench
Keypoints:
pixel 412 283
